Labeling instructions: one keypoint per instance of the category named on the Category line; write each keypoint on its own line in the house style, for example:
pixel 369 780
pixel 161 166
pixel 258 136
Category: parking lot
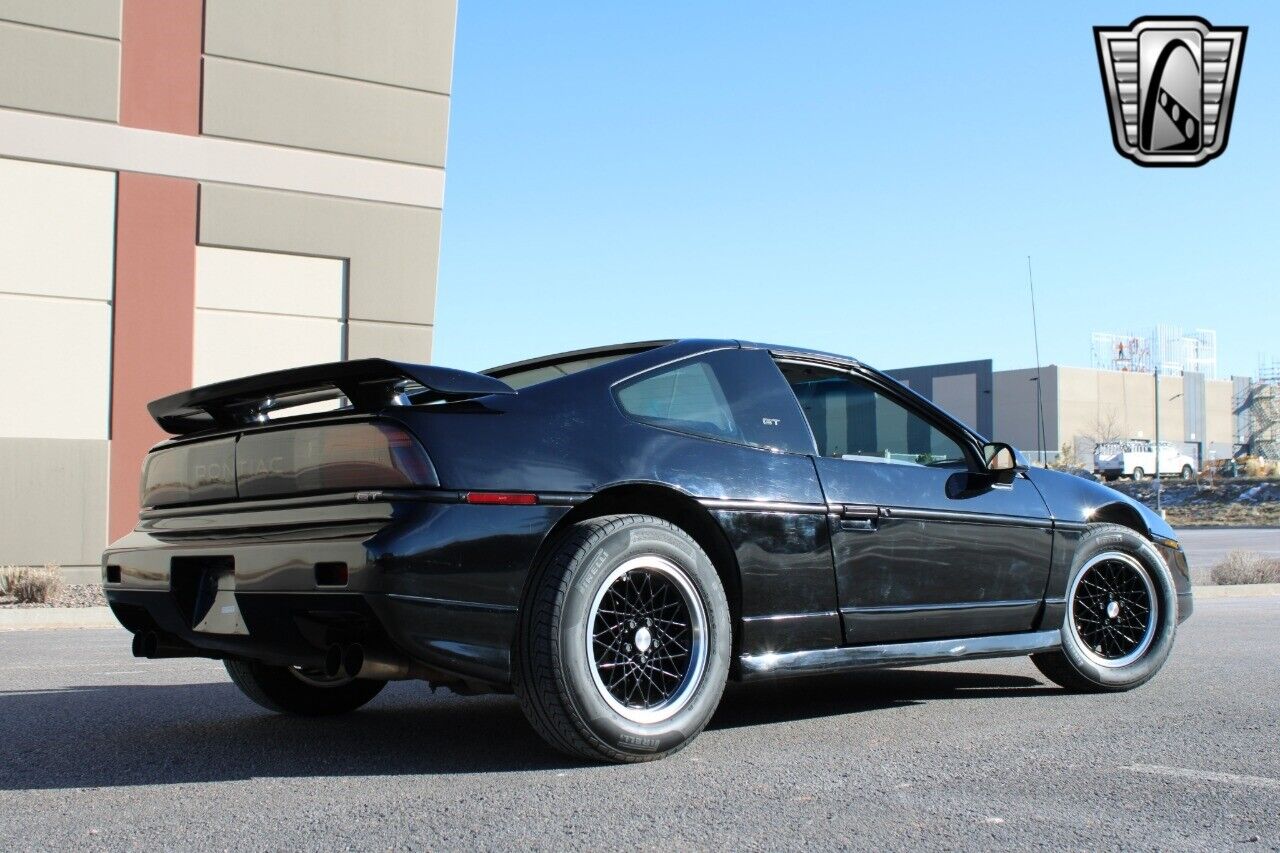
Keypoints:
pixel 102 750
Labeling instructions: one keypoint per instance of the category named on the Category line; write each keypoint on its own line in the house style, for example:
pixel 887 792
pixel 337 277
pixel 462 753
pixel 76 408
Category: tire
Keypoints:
pixel 287 691
pixel 1139 475
pixel 1094 659
pixel 1187 472
pixel 580 656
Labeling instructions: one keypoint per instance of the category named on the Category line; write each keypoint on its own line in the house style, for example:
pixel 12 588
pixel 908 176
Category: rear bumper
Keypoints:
pixel 438 582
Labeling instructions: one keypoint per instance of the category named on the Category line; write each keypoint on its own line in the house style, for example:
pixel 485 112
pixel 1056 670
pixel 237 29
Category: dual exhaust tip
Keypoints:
pixel 351 660
pixel 354 661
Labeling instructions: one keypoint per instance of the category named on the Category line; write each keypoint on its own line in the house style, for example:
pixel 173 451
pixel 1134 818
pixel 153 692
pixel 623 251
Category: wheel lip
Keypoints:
pixel 698 646
pixel 1148 636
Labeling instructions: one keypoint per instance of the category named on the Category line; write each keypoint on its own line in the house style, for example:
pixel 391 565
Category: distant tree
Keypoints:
pixel 1106 427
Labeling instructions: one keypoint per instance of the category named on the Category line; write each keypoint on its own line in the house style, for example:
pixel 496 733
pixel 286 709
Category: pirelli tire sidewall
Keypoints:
pixel 1116 538
pixel 594 565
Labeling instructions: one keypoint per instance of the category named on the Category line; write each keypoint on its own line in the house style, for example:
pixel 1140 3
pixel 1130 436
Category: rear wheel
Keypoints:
pixel 623 646
pixel 1122 614
pixel 297 690
pixel 1139 475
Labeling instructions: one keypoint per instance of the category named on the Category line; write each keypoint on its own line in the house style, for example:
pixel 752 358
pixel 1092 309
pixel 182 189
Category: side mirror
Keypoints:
pixel 1003 462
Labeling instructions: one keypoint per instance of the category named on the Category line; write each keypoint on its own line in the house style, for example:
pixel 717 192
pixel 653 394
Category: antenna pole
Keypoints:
pixel 1035 332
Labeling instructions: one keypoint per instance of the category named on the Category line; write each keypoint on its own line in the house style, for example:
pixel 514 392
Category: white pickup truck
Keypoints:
pixel 1136 458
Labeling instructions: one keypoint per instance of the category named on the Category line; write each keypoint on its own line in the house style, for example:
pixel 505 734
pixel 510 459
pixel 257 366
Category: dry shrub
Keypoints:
pixel 29 585
pixel 8 574
pixel 1246 567
pixel 1258 468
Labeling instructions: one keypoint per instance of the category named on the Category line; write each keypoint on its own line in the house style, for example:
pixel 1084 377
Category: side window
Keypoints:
pixel 850 419
pixel 687 398
pixel 734 395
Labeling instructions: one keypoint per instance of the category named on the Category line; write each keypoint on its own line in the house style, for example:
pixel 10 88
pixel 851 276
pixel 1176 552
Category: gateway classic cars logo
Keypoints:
pixel 1170 86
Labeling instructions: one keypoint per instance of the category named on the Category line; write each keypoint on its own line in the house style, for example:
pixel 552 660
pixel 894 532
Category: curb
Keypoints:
pixel 1243 590
pixel 35 618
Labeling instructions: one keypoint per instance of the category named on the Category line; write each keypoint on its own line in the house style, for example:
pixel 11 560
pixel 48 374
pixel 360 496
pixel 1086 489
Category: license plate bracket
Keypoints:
pixel 205 589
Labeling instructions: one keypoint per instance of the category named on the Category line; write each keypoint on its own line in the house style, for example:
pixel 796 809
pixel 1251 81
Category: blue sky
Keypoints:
pixel 863 178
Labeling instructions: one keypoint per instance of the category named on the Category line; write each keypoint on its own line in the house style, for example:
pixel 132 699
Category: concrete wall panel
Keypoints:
pixel 965 387
pixel 57 230
pixel 1015 409
pixel 389 340
pixel 270 283
pixel 53 499
pixel 59 72
pixel 313 111
pixel 393 249
pixel 1219 415
pixel 55 368
pixel 958 395
pixel 90 17
pixel 399 42
pixel 230 344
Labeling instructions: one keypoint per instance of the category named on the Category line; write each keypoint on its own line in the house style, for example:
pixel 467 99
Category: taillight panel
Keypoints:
pixel 287 461
pixel 338 457
pixel 191 473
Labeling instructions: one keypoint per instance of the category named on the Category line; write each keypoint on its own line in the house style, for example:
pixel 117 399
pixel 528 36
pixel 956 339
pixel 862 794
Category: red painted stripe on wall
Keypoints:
pixel 154 322
pixel 161 42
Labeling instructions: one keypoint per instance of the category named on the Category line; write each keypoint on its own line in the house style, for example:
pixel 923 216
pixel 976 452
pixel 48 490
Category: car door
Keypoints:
pixel 926 545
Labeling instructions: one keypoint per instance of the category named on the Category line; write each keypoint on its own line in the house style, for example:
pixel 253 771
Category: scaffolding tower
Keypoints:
pixel 1259 406
pixel 1168 348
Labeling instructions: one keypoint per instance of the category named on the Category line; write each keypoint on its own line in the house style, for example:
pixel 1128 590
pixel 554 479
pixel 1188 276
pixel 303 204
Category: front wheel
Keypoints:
pixel 1139 475
pixel 1121 614
pixel 297 690
pixel 1187 472
pixel 623 645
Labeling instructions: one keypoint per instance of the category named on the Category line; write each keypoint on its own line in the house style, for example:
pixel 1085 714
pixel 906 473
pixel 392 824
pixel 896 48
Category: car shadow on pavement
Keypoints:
pixel 114 735
pixel 859 692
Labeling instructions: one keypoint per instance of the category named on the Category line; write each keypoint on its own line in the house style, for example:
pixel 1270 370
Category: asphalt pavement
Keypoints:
pixel 1207 546
pixel 102 751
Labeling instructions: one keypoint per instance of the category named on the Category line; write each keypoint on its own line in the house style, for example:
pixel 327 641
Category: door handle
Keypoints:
pixel 855 517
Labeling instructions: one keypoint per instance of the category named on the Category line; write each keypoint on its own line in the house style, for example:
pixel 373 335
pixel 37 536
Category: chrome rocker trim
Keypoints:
pixel 846 658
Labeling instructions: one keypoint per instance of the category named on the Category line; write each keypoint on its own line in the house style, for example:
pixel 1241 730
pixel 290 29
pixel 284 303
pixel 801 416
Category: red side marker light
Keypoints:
pixel 502 498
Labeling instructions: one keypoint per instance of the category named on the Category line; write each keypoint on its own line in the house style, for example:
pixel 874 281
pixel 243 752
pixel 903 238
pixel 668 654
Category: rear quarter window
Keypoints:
pixel 731 395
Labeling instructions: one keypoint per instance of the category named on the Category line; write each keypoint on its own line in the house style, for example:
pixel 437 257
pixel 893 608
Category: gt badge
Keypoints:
pixel 1170 85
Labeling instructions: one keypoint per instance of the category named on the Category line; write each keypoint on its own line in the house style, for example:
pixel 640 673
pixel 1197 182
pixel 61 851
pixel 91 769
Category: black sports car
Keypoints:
pixel 613 533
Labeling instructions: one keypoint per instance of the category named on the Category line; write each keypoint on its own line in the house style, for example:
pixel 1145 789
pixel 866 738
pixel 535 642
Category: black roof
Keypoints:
pixel 643 346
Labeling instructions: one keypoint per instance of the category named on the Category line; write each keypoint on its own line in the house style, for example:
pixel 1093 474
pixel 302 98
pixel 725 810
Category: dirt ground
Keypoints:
pixel 1221 503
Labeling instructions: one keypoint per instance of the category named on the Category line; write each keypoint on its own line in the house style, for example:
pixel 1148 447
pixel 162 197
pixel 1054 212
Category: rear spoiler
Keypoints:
pixel 369 383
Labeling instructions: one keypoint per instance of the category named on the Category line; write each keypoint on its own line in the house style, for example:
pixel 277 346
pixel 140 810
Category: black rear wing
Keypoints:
pixel 368 383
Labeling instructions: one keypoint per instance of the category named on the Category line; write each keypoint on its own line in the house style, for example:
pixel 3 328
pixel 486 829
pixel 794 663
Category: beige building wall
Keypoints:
pixel 259 311
pixel 1112 403
pixel 61 56
pixel 1014 416
pixel 1220 421
pixel 958 395
pixel 56 254
pixel 312 136
pixel 57 236
pixel 1084 405
pixel 391 251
